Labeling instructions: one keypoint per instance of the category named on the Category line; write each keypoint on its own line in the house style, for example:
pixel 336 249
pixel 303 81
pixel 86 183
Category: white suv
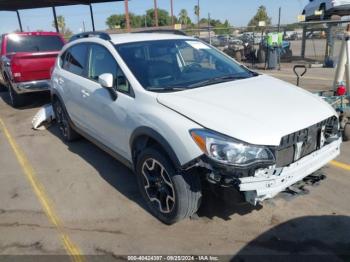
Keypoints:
pixel 327 8
pixel 179 112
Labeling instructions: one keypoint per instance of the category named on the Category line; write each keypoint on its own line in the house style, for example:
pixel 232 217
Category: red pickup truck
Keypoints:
pixel 26 60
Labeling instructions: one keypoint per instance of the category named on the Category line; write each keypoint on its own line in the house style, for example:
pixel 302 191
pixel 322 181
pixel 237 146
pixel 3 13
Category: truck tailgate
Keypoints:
pixel 32 66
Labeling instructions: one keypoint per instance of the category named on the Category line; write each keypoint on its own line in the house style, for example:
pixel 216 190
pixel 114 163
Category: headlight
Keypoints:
pixel 229 151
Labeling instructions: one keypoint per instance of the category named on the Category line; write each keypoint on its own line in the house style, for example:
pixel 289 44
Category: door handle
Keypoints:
pixel 85 93
pixel 60 81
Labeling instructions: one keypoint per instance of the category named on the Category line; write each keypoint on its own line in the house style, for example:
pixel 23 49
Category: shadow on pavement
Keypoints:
pixel 123 180
pixel 33 100
pixel 312 238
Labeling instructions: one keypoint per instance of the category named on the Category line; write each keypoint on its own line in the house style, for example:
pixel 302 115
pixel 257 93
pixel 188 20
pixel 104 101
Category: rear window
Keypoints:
pixel 28 43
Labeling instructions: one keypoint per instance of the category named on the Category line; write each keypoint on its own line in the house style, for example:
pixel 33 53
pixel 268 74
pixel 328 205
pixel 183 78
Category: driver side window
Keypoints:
pixel 101 62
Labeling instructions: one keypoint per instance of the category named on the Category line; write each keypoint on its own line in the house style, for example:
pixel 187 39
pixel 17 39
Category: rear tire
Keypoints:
pixel 62 119
pixel 171 196
pixel 16 100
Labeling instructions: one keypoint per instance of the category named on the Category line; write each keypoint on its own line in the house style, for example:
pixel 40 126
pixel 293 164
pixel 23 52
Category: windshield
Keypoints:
pixel 173 65
pixel 31 43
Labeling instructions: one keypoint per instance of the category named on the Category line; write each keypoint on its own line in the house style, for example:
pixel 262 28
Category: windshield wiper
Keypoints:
pixel 166 89
pixel 217 80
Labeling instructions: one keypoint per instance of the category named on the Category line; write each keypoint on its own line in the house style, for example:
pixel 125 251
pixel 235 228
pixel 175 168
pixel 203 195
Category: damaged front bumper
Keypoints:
pixel 267 183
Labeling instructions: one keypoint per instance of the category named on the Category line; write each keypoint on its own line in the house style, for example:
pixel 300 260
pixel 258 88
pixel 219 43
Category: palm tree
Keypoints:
pixel 183 16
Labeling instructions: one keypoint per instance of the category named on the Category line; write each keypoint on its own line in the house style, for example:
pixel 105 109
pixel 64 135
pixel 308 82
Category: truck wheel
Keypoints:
pixel 2 88
pixel 16 100
pixel 171 196
pixel 346 135
pixel 67 132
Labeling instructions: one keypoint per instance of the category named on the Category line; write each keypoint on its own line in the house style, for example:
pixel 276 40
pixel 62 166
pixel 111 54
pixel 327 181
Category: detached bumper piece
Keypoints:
pixel 32 86
pixel 267 183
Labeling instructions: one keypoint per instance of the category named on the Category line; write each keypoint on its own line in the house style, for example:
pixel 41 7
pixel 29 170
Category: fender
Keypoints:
pixel 149 132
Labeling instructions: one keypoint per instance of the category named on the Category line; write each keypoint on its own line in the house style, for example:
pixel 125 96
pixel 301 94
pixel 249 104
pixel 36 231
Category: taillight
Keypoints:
pixel 341 90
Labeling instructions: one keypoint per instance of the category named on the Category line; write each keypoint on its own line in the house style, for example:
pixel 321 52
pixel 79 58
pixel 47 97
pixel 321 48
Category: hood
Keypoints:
pixel 259 110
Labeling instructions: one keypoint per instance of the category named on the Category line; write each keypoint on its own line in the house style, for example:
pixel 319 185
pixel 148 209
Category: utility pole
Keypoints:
pixel 172 11
pixel 126 3
pixel 156 13
pixel 279 19
pixel 198 14
pixel 209 28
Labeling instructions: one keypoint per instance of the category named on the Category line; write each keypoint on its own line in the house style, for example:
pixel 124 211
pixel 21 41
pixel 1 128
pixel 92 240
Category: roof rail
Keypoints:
pixel 101 35
pixel 163 31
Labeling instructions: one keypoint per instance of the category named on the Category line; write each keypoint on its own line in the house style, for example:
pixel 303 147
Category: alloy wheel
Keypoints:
pixel 158 185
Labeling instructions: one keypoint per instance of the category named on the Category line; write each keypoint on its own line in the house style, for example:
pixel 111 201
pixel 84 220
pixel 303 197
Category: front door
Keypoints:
pixel 107 119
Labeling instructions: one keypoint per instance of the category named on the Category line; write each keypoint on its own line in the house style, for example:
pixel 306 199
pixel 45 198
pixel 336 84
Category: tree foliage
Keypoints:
pixel 184 19
pixel 137 21
pixel 119 21
pixel 64 30
pixel 222 27
pixel 163 17
pixel 261 15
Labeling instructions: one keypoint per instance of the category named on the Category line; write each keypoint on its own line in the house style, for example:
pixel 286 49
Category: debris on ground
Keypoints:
pixel 299 188
pixel 43 118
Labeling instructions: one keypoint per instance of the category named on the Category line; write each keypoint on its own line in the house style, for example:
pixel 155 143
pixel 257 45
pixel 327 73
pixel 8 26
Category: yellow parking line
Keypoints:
pixel 45 201
pixel 340 165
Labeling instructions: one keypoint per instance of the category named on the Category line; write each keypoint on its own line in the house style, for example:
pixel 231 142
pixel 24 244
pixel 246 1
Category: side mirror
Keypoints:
pixel 107 81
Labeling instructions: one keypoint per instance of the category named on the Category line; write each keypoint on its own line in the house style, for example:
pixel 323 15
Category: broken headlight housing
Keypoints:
pixel 229 151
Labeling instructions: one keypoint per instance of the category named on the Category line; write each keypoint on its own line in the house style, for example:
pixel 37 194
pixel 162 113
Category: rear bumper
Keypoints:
pixel 268 183
pixel 32 86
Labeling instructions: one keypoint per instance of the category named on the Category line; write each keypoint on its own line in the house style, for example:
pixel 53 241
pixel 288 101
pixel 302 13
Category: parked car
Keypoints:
pixel 25 62
pixel 177 112
pixel 327 8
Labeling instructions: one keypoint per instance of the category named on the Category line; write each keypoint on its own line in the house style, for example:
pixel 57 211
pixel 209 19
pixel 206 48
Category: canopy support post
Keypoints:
pixel 19 21
pixel 92 18
pixel 55 18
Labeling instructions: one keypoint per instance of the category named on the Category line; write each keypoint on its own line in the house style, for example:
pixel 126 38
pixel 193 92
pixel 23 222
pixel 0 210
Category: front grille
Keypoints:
pixel 303 142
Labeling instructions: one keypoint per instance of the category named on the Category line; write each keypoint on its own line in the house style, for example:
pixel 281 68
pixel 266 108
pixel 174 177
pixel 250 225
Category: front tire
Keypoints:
pixel 62 119
pixel 170 195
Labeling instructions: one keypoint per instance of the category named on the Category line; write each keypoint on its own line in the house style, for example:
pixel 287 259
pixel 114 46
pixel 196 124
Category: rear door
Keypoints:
pixel 72 79
pixel 1 62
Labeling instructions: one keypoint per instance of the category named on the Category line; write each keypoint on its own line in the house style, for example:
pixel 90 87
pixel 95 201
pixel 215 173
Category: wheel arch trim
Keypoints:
pixel 151 133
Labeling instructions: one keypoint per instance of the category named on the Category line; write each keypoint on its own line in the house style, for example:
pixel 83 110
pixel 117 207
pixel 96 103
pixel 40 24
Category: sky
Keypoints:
pixel 238 12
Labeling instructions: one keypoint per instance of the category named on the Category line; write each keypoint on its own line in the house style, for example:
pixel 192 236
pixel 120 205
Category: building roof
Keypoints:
pixel 13 5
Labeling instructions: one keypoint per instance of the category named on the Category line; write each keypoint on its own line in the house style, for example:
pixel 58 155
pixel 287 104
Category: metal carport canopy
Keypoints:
pixel 15 5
